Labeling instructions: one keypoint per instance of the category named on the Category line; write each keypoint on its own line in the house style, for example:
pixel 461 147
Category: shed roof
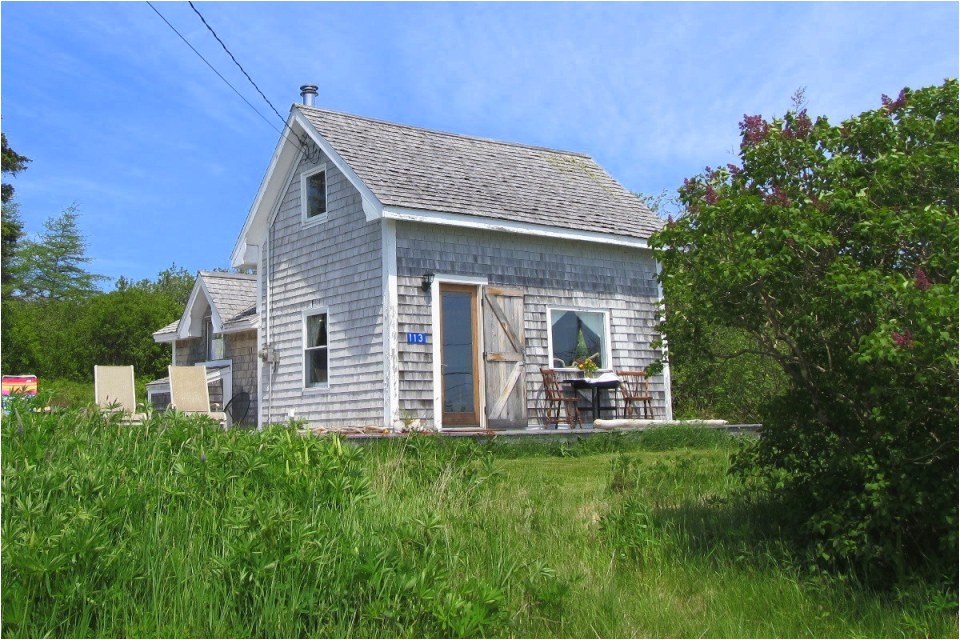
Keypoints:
pixel 233 294
pixel 416 168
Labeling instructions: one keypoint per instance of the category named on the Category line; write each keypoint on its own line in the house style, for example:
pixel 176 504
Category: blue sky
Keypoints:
pixel 164 160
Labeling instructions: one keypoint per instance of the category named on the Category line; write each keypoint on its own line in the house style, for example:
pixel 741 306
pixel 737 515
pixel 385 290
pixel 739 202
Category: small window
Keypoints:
pixel 212 342
pixel 578 334
pixel 315 196
pixel 315 361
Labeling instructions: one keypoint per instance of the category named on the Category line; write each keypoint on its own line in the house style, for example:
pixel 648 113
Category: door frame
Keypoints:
pixel 479 283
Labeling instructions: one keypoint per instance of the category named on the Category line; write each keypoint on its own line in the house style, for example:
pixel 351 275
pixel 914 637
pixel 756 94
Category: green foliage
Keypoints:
pixel 176 528
pixel 833 252
pixel 722 375
pixel 66 338
pixel 12 227
pixel 174 284
pixel 12 163
pixel 51 268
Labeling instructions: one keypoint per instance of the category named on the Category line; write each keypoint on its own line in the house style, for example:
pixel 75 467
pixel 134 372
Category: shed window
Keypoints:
pixel 578 334
pixel 212 342
pixel 315 361
pixel 314 193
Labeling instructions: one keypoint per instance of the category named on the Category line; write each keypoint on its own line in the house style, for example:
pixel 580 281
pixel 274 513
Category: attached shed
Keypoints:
pixel 218 329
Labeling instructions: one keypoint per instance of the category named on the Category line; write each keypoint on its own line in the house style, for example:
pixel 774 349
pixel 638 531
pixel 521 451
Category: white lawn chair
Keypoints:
pixel 115 392
pixel 189 392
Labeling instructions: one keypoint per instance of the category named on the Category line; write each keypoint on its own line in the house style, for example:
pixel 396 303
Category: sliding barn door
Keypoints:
pixel 504 355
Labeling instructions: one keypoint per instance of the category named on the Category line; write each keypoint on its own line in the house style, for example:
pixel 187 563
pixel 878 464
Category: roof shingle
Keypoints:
pixel 417 168
pixel 233 294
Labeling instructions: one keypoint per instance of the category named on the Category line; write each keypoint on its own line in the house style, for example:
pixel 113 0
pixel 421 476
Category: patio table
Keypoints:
pixel 596 385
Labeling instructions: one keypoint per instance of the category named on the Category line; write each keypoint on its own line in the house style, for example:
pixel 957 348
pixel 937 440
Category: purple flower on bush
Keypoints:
pixel 670 222
pixel 753 129
pixel 778 197
pixel 710 195
pixel 894 105
pixel 920 279
pixel 903 340
pixel 733 169
pixel 802 125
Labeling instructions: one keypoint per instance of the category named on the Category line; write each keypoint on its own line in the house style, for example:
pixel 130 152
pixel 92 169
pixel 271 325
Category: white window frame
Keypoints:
pixel 307 313
pixel 606 354
pixel 305 219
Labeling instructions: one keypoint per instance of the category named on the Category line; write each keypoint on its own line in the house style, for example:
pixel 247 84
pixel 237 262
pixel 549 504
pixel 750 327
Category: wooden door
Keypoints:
pixel 504 358
pixel 458 355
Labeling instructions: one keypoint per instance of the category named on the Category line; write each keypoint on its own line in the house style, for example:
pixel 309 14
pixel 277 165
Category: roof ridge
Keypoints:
pixel 227 274
pixel 448 133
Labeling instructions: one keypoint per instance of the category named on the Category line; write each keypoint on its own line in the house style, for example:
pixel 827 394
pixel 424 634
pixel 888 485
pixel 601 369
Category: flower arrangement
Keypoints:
pixel 587 365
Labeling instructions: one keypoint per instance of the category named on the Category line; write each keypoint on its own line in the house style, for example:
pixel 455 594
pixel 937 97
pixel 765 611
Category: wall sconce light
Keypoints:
pixel 427 281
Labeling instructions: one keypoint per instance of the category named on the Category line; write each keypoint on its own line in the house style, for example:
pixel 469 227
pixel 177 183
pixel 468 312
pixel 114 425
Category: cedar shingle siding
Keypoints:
pixel 619 280
pixel 334 265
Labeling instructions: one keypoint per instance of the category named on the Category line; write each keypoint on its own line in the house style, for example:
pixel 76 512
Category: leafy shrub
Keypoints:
pixel 832 251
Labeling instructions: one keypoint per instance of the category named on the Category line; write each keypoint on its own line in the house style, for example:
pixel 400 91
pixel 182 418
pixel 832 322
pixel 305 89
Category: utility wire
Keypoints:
pixel 239 66
pixel 212 68
pixel 302 144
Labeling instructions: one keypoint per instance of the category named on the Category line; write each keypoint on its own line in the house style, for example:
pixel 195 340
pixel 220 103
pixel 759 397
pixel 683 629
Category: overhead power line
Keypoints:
pixel 299 142
pixel 212 68
pixel 232 57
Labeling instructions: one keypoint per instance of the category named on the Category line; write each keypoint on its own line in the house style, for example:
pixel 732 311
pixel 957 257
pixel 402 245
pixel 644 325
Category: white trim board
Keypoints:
pixel 390 328
pixel 448 278
pixel 304 314
pixel 511 226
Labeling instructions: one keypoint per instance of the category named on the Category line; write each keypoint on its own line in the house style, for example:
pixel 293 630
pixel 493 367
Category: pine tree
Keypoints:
pixel 12 164
pixel 52 268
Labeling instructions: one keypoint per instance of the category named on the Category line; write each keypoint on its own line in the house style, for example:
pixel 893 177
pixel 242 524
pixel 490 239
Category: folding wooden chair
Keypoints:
pixel 635 390
pixel 556 397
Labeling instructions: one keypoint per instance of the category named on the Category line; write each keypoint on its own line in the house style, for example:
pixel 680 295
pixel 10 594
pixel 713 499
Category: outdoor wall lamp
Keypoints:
pixel 427 281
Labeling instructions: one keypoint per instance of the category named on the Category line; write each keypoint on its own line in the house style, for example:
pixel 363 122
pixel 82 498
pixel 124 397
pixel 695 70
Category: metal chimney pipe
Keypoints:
pixel 308 92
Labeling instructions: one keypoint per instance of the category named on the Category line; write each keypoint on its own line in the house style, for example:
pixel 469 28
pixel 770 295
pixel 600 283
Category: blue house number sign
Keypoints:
pixel 416 338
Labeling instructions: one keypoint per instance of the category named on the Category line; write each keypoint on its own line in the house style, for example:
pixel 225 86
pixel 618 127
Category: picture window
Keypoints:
pixel 578 334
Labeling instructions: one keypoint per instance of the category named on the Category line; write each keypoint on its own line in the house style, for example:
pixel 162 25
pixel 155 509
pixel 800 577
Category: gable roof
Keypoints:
pixel 233 302
pixel 417 168
pixel 231 294
pixel 420 175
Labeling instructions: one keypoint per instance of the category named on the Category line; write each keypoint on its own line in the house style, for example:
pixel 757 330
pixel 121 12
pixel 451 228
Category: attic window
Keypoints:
pixel 314 195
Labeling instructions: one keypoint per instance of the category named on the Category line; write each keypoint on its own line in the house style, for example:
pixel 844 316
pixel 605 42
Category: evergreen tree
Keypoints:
pixel 52 268
pixel 13 163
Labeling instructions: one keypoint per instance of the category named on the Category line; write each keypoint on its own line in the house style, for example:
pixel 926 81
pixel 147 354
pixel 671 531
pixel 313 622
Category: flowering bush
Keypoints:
pixel 834 250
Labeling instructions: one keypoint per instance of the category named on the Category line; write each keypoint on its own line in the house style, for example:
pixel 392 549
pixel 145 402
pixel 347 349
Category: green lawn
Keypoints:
pixel 178 529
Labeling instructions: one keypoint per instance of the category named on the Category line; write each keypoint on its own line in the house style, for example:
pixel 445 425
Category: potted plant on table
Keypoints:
pixel 588 365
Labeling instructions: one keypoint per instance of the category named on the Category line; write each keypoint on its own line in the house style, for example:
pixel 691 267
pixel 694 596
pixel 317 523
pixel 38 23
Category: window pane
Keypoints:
pixel 577 334
pixel 316 363
pixel 458 352
pixel 317 330
pixel 317 194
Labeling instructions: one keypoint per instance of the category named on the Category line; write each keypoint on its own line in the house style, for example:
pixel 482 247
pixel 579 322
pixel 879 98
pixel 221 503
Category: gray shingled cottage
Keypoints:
pixel 407 274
